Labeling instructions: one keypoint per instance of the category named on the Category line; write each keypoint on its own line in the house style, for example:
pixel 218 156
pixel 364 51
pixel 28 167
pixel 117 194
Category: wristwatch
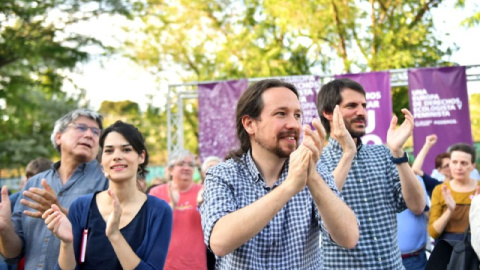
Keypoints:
pixel 400 160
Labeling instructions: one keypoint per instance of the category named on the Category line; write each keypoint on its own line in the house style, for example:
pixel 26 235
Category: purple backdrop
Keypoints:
pixel 439 103
pixel 307 87
pixel 379 104
pixel 216 116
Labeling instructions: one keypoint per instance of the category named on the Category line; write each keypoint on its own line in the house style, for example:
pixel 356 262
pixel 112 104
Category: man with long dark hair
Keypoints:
pixel 265 207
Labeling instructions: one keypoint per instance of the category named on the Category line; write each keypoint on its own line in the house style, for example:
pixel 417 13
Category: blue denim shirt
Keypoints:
pixel 41 247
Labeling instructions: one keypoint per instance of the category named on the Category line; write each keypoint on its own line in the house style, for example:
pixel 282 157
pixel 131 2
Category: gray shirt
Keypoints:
pixel 41 247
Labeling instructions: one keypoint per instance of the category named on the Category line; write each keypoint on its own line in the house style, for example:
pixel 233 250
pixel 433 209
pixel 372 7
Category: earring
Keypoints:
pixel 104 173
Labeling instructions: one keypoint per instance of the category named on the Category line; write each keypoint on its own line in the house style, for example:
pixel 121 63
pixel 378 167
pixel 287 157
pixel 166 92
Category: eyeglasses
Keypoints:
pixel 82 128
pixel 446 166
pixel 183 163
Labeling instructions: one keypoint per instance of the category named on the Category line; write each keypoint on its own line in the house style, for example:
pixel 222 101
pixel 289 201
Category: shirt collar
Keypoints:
pixel 82 167
pixel 252 168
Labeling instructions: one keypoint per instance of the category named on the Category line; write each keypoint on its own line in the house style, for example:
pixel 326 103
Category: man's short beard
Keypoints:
pixel 280 152
pixel 277 150
pixel 357 134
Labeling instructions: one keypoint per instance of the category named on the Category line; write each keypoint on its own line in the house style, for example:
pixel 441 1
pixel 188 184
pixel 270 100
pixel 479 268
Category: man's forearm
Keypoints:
pixel 412 190
pixel 338 218
pixel 10 243
pixel 236 228
pixel 341 171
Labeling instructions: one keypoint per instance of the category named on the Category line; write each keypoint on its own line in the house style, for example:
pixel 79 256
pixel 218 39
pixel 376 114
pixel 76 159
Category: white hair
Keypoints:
pixel 208 160
pixel 62 123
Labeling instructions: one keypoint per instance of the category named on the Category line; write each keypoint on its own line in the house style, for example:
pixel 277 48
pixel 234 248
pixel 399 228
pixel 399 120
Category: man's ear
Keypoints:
pixel 329 116
pixel 248 124
pixel 57 137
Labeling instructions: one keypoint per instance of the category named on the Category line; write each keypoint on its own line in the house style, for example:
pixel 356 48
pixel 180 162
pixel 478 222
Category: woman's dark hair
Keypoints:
pixel 463 147
pixel 330 95
pixel 439 158
pixel 133 136
pixel 251 104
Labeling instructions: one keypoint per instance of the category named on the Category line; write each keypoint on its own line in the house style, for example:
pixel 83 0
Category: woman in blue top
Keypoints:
pixel 118 228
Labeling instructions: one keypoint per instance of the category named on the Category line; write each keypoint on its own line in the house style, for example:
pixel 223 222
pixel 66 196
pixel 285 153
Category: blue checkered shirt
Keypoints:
pixel 373 191
pixel 289 241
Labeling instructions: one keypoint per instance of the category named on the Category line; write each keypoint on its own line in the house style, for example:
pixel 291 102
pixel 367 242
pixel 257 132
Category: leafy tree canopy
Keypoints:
pixel 243 39
pixel 215 40
pixel 37 50
pixel 151 123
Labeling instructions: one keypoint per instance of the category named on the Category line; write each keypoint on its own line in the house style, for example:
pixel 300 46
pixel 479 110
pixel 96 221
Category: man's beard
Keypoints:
pixel 353 133
pixel 277 150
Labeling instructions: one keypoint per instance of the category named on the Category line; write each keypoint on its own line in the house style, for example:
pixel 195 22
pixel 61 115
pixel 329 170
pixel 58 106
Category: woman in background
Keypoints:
pixel 449 214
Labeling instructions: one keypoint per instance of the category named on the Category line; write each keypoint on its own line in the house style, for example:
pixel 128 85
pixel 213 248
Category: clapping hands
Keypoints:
pixel 396 137
pixel 58 223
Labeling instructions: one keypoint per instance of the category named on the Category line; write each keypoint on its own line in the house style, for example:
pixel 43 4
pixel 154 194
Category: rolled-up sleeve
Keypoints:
pixel 219 201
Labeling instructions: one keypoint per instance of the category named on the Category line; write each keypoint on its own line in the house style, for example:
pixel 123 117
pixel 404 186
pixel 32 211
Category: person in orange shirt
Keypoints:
pixel 451 200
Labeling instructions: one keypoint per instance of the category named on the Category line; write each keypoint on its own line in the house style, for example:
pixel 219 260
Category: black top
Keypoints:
pixel 100 253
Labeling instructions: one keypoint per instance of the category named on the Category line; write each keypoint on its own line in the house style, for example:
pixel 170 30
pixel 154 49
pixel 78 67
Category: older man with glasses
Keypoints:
pixel 186 250
pixel 23 232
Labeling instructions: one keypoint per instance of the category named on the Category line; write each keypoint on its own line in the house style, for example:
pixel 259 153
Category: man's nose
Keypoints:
pixel 293 122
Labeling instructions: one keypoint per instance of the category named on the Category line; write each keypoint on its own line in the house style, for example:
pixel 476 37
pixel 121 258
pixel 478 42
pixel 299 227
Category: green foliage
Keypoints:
pixel 474 105
pixel 216 40
pixel 400 101
pixel 472 21
pixel 37 50
pixel 151 123
pixel 27 123
pixel 210 40
pixel 119 108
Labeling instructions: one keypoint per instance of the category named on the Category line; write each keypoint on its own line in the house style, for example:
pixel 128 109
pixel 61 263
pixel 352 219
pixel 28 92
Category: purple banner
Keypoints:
pixel 307 87
pixel 379 104
pixel 216 116
pixel 439 103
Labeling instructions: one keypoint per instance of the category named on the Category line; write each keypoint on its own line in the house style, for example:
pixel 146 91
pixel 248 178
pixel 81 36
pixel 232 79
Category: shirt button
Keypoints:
pixel 365 199
pixel 40 265
pixel 45 240
pixel 375 238
pixel 361 180
pixel 369 219
pixel 379 259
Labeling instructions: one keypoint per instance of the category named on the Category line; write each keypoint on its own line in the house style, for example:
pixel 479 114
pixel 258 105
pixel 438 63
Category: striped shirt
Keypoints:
pixel 289 241
pixel 373 191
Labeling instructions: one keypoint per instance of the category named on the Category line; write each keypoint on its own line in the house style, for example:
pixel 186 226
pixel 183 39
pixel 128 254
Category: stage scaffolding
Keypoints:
pixel 183 91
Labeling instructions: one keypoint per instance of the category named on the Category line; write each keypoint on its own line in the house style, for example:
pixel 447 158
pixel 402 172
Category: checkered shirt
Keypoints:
pixel 289 241
pixel 373 191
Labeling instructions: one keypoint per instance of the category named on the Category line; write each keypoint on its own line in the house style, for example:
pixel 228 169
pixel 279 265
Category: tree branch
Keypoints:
pixel 422 12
